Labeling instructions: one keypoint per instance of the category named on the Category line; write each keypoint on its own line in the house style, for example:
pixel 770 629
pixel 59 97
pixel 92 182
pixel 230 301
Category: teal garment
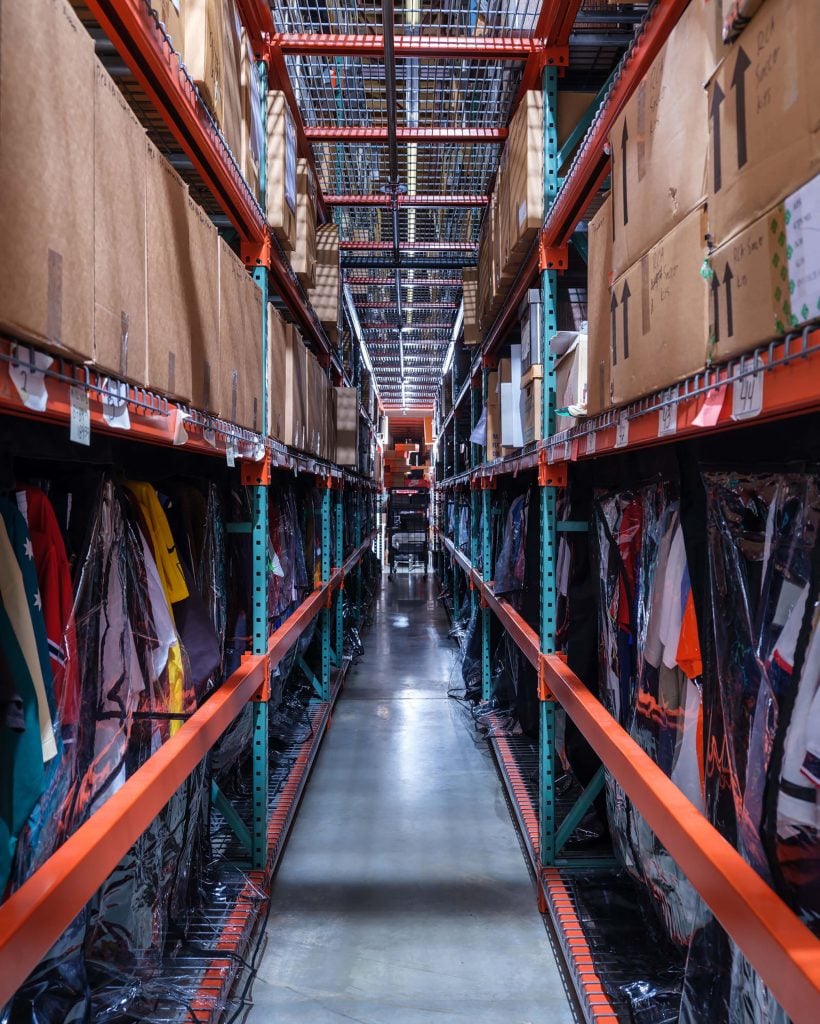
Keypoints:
pixel 22 772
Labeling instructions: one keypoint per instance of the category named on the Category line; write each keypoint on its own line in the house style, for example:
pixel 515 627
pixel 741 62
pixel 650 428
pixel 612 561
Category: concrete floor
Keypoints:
pixel 403 896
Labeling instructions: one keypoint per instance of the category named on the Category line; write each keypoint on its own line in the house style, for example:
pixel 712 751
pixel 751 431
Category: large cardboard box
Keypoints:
pixel 252 129
pixel 204 50
pixel 47 176
pixel 472 331
pixel 324 296
pixel 183 290
pixel 347 426
pixel 659 142
pixel 493 447
pixel 278 332
pixel 240 343
pixel 571 381
pixel 295 398
pixel 766 279
pixel 531 401
pixel 599 277
pixel 229 116
pixel 524 211
pixel 571 108
pixel 658 314
pixel 764 105
pixel 120 288
pixel 303 260
pixel 281 170
pixel 171 17
pixel 199 295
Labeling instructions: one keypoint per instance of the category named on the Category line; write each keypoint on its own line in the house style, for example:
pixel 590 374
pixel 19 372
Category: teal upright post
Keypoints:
pixel 357 540
pixel 259 548
pixel 325 620
pixel 339 561
pixel 549 298
pixel 486 566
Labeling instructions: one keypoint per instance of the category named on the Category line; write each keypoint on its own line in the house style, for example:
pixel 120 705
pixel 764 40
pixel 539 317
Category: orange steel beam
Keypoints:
pixel 554 25
pixel 771 937
pixel 523 634
pixel 476 47
pixel 35 916
pixel 132 29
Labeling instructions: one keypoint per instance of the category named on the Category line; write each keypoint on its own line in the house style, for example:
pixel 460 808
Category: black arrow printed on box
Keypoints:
pixel 728 277
pixel 613 305
pixel 626 294
pixel 739 85
pixel 715 285
pixel 714 113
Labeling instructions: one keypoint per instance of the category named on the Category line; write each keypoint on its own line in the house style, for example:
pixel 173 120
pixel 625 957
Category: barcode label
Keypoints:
pixel 80 426
pixel 622 431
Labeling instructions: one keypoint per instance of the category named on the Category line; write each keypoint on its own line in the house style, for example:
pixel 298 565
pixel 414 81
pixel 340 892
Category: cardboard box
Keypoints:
pixel 174 284
pixel 571 381
pixel 531 401
pixel 47 176
pixel 295 399
pixel 277 373
pixel 171 17
pixel 524 211
pixel 281 170
pixel 472 331
pixel 766 279
pixel 120 288
pixel 659 142
pixel 252 129
pixel 658 314
pixel 347 426
pixel 332 415
pixel 204 50
pixel 571 108
pixel 303 260
pixel 599 276
pixel 324 296
pixel 764 104
pixel 493 447
pixel 229 115
pixel 239 385
pixel 198 294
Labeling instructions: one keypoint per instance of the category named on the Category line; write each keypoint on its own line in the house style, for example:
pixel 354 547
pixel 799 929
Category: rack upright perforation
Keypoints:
pixel 775 382
pixel 66 395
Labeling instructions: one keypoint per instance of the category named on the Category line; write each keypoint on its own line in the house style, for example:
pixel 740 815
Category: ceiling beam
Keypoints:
pixel 363 133
pixel 409 246
pixel 328 44
pixel 405 200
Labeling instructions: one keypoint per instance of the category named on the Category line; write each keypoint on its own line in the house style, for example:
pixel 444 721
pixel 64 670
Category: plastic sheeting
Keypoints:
pixel 510 564
pixel 652 678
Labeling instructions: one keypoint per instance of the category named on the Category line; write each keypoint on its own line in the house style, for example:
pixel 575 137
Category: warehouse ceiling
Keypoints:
pixel 406 105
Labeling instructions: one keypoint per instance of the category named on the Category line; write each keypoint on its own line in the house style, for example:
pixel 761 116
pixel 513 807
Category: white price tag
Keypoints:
pixel 567 451
pixel 180 433
pixel 80 425
pixel 115 404
pixel 747 396
pixel 591 441
pixel 622 431
pixel 668 416
pixel 209 436
pixel 550 455
pixel 230 452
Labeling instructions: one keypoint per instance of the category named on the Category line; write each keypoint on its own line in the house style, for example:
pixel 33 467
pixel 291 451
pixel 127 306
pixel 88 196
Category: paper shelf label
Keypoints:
pixel 79 430
pixel 622 431
pixel 668 416
pixel 747 397
pixel 591 442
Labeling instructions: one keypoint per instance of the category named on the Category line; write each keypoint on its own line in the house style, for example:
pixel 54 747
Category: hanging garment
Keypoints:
pixel 54 579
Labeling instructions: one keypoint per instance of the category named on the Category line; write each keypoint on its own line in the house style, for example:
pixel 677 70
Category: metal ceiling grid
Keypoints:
pixel 438 226
pixel 427 17
pixel 344 91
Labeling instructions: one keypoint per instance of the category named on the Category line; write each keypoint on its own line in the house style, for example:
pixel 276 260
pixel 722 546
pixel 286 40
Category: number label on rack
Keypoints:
pixel 668 415
pixel 80 424
pixel 622 431
pixel 230 452
pixel 115 404
pixel 591 442
pixel 747 397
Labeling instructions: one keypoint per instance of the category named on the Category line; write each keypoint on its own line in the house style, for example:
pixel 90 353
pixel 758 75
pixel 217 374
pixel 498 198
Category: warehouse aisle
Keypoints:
pixel 403 896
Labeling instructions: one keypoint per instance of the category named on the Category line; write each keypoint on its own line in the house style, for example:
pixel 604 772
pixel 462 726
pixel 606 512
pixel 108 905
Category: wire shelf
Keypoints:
pixel 421 17
pixel 346 91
